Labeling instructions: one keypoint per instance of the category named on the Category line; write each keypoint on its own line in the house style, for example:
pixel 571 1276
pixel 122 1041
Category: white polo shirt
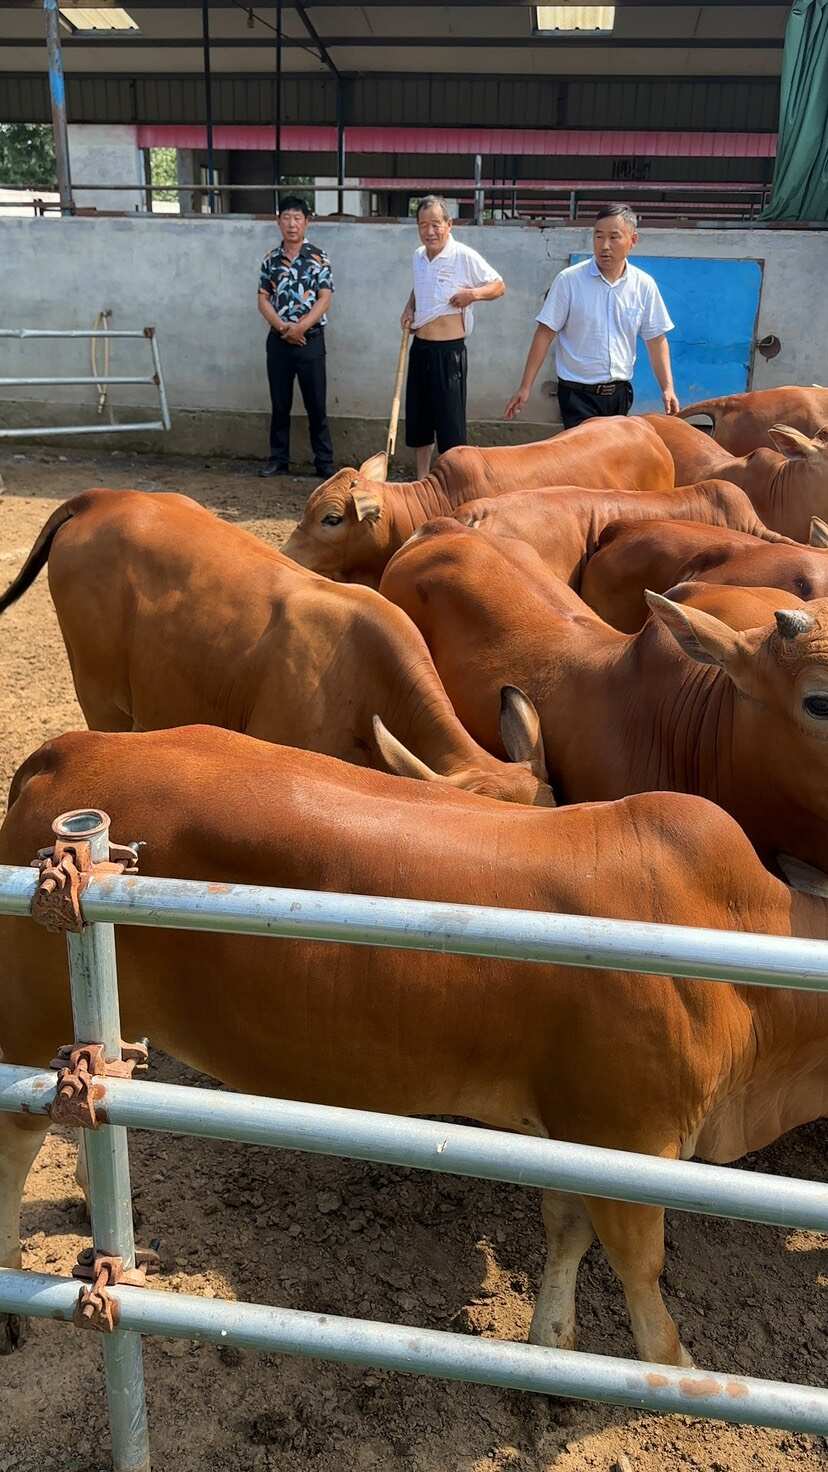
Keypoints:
pixel 435 282
pixel 598 321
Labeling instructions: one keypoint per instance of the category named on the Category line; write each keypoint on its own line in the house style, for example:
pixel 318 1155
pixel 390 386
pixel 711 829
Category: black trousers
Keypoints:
pixel 435 394
pixel 580 401
pixel 286 362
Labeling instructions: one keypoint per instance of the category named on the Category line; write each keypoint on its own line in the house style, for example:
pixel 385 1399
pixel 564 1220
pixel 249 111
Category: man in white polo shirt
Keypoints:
pixel 594 312
pixel 448 278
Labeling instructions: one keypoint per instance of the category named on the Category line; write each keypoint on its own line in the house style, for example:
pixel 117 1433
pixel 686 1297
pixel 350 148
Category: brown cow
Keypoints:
pixel 633 1062
pixel 788 485
pixel 742 720
pixel 741 421
pixel 353 523
pixel 564 524
pixel 633 556
pixel 184 618
pixel 739 608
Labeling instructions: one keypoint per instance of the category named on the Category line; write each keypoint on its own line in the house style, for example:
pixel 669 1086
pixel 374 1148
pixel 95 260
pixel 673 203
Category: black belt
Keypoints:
pixel 597 388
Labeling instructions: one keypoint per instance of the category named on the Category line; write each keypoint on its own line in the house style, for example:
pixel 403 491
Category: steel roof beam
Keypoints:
pixel 593 41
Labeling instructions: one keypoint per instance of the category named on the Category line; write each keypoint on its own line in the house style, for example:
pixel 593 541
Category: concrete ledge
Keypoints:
pixel 240 436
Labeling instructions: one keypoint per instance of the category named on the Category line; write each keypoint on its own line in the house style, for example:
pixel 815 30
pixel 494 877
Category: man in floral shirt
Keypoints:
pixel 295 291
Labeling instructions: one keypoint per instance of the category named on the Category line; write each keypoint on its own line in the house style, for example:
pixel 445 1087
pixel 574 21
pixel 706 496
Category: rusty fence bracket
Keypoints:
pixel 81 1069
pixel 95 1309
pixel 65 871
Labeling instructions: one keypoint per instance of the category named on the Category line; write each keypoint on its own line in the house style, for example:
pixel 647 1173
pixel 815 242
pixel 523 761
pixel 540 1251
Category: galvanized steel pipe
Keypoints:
pixel 411 1350
pixel 468 930
pixel 93 978
pixel 451 1149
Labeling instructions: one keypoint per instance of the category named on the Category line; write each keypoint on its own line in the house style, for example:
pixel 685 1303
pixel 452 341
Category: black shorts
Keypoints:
pixel 435 394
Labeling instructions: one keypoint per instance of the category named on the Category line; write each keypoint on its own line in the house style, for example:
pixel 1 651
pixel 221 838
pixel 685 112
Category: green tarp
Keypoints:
pixel 800 180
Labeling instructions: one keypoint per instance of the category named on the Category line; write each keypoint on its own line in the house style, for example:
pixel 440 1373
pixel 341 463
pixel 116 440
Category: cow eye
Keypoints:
pixel 817 706
pixel 332 519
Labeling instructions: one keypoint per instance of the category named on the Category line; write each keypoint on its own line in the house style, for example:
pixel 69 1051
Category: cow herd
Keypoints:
pixel 603 658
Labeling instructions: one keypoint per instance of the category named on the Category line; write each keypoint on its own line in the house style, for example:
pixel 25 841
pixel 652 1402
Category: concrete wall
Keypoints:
pixel 196 282
pixel 106 154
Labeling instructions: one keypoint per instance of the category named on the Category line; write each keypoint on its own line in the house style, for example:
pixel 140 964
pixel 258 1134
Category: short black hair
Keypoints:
pixel 294 202
pixel 613 211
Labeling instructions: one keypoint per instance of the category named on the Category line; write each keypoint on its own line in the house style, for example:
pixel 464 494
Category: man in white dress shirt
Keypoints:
pixel 594 312
pixel 449 277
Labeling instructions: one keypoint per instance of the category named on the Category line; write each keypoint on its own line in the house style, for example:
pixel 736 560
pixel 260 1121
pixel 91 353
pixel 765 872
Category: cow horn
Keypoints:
pixel 793 621
pixel 819 532
pixel 802 876
pixel 399 759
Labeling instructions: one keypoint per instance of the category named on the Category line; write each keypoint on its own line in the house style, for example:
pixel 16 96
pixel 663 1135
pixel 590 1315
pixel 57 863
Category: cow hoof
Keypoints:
pixel 12 1333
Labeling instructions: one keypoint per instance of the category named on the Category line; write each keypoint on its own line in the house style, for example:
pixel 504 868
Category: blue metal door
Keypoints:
pixel 714 305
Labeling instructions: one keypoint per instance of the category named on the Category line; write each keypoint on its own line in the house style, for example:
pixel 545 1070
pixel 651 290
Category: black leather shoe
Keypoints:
pixel 273 468
pixel 324 471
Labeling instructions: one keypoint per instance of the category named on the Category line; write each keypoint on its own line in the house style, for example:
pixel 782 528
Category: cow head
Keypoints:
pixel 782 668
pixel 807 457
pixel 522 779
pixel 343 533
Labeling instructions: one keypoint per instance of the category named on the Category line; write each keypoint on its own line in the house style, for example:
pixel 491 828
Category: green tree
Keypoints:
pixel 164 170
pixel 27 156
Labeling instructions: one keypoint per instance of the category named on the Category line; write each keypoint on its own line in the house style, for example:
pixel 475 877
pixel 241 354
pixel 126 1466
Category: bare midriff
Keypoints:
pixel 443 329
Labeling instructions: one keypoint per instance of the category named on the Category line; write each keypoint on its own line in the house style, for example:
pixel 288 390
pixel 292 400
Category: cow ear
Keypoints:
pixel 367 504
pixel 398 759
pixel 802 876
pixel 520 731
pixel 376 468
pixel 703 637
pixel 819 532
pixel 791 443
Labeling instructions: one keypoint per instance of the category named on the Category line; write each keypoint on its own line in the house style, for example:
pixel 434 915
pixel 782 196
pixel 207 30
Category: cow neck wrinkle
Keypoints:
pixel 691 738
pixel 418 501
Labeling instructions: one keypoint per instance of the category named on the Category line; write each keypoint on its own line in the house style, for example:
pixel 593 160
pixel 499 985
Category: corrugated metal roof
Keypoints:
pixel 727 104
pixel 487 141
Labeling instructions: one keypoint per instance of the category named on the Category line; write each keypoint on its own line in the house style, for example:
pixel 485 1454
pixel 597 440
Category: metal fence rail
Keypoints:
pixel 459 1149
pixel 735 1398
pixel 492 1155
pixel 463 930
pixel 97 381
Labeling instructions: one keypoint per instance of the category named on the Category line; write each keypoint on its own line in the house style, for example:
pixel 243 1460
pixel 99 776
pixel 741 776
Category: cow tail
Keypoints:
pixel 39 555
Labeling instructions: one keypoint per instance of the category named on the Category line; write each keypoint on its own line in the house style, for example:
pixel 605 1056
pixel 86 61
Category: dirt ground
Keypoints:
pixel 357 1239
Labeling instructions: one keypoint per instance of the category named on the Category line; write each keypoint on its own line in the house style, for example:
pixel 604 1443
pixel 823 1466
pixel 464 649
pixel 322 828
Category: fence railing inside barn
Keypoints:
pixel 99 381
pixel 117 1303
pixel 564 201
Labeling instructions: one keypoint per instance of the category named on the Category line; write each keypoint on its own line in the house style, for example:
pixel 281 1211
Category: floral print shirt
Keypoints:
pixel 294 286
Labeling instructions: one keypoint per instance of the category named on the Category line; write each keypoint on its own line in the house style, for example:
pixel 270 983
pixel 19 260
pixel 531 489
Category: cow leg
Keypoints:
pixel 633 1239
pixel 569 1233
pixel 21 1137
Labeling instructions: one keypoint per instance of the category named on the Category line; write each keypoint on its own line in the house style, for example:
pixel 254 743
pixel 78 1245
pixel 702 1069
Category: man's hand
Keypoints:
pixel 516 403
pixel 407 317
pixel 295 334
pixel 671 403
pixel 464 297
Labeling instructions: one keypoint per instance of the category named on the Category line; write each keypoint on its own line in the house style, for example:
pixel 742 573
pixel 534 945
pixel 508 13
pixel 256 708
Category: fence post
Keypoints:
pixel 478 191
pixel 94 981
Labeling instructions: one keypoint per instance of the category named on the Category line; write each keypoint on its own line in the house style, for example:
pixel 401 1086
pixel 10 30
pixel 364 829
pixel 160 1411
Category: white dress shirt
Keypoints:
pixel 436 281
pixel 598 321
